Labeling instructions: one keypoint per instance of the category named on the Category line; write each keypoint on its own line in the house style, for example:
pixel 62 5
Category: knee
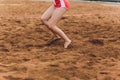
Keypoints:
pixel 50 24
pixel 43 19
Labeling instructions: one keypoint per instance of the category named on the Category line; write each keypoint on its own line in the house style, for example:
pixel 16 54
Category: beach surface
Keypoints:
pixel 94 54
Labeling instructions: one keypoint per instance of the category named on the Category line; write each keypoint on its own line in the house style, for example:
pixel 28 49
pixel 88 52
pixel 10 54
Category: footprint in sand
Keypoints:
pixel 97 42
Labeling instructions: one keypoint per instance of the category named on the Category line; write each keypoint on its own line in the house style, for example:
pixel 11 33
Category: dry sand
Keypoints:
pixel 93 55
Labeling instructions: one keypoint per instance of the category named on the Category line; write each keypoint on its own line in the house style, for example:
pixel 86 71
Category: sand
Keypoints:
pixel 93 55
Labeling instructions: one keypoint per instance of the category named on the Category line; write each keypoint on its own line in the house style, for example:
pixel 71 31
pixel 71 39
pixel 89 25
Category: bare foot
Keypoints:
pixel 58 37
pixel 67 43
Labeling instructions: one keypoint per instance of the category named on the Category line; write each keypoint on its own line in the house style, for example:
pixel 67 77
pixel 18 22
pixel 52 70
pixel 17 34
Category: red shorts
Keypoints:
pixel 61 3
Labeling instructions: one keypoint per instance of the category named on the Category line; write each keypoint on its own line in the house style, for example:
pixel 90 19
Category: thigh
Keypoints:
pixel 57 15
pixel 48 13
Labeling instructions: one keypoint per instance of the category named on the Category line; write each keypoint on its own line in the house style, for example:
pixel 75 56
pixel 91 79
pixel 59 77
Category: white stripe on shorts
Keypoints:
pixel 62 3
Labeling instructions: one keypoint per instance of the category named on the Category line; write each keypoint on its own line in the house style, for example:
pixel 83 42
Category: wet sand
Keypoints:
pixel 93 55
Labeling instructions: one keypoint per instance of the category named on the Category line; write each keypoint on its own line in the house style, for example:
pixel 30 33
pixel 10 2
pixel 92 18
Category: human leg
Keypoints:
pixel 51 23
pixel 46 15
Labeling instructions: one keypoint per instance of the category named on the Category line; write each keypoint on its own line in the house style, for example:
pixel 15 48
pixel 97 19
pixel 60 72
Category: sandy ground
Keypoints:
pixel 93 55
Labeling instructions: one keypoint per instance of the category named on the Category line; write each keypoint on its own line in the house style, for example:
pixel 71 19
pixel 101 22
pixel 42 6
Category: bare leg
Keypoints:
pixel 47 14
pixel 56 16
